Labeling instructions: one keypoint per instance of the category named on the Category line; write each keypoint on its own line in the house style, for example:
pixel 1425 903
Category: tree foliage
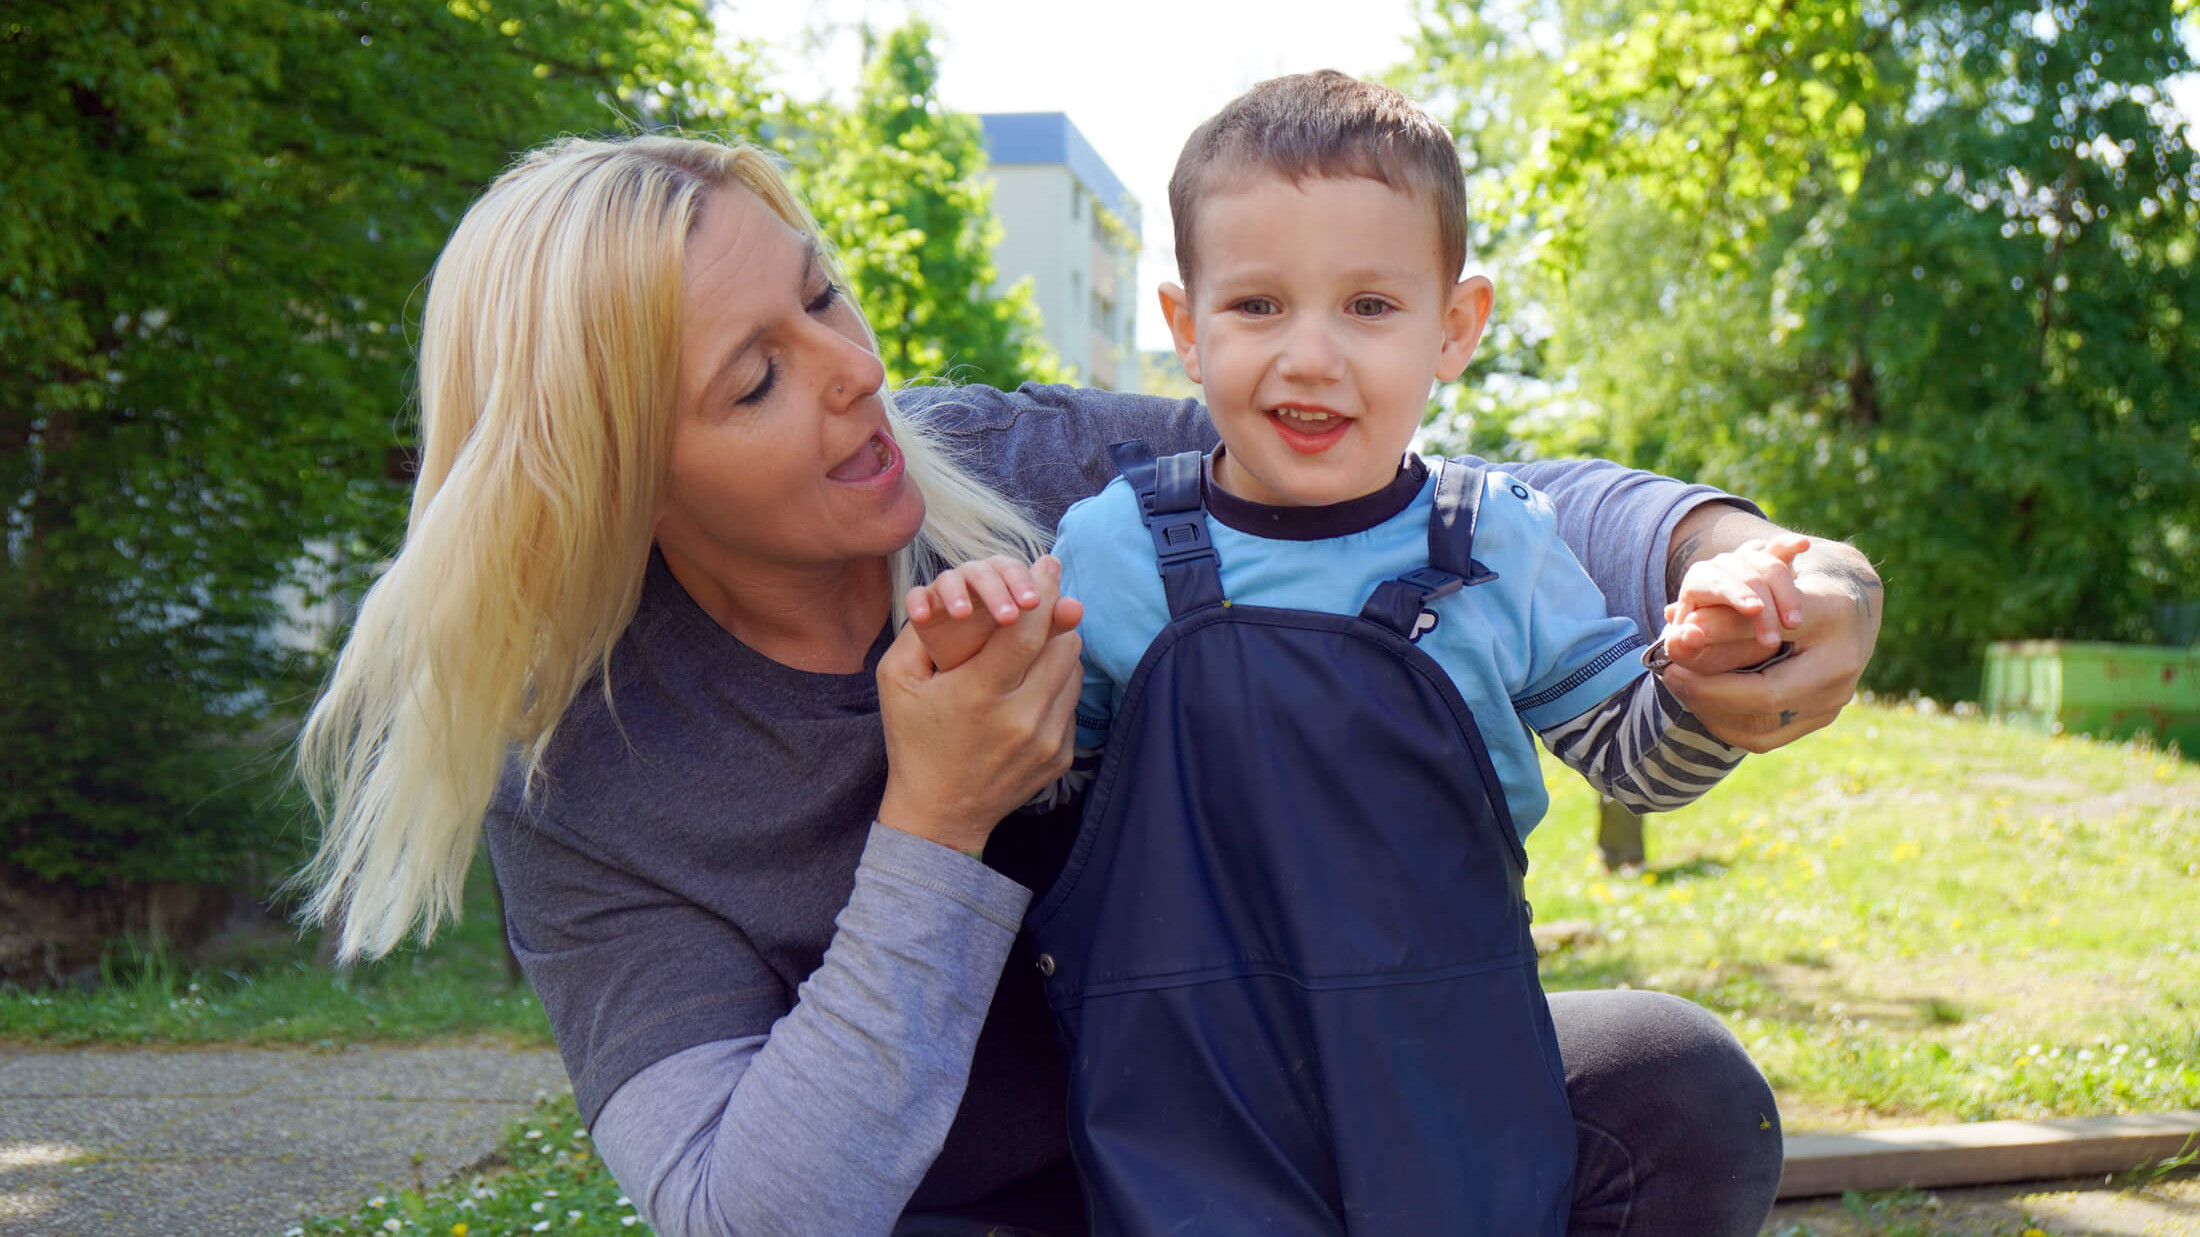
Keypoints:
pixel 218 214
pixel 897 184
pixel 1919 275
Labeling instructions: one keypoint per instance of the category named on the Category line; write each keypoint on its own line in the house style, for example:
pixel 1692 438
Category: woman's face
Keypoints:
pixel 782 462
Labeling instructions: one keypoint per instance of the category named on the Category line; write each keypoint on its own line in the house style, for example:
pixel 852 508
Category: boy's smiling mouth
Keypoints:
pixel 1308 428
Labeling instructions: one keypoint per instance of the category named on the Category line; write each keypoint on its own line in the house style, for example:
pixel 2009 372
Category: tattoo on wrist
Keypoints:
pixel 1786 717
pixel 1860 586
pixel 1676 563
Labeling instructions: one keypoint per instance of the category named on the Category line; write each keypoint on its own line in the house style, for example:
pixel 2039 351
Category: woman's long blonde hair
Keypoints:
pixel 548 355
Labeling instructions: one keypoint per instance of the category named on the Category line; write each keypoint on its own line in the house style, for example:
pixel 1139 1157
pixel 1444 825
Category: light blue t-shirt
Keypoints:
pixel 1532 648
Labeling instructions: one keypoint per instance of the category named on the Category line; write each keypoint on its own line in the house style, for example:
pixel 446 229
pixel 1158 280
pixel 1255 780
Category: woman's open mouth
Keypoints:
pixel 876 458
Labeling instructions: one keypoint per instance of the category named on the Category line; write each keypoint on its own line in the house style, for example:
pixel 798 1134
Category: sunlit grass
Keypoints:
pixel 545 1178
pixel 1909 917
pixel 1915 916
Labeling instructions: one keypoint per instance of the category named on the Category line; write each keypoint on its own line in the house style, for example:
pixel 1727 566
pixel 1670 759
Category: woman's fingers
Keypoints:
pixel 1056 680
pixel 1759 712
pixel 1068 613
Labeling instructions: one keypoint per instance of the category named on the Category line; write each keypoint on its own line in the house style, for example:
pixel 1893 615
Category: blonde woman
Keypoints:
pixel 643 627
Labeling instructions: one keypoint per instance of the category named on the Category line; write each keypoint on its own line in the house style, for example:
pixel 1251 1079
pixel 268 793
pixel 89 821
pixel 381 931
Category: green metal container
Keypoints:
pixel 2110 691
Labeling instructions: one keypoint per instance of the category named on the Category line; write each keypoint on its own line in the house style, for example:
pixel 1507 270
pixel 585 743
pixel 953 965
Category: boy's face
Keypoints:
pixel 1318 319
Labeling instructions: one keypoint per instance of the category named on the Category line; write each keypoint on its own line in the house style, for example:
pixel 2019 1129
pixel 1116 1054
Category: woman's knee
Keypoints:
pixel 1679 1131
pixel 1661 1050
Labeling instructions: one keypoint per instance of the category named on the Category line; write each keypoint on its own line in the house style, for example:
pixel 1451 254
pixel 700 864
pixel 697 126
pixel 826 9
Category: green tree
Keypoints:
pixel 1918 275
pixel 218 215
pixel 898 187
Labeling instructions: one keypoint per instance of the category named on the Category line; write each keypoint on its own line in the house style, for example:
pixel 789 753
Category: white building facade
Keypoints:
pixel 1071 227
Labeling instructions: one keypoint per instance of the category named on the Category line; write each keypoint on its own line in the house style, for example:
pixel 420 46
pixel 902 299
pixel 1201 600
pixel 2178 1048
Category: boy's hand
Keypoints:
pixel 1754 585
pixel 960 609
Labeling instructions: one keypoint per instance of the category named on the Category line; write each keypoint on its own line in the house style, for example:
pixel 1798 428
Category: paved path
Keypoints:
pixel 2090 1208
pixel 241 1142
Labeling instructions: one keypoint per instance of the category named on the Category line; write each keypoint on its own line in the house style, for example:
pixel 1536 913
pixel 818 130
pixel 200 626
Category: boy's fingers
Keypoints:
pixel 953 592
pixel 1009 654
pixel 1787 547
pixel 1787 600
pixel 1021 584
pixel 1766 617
pixel 1715 587
pixel 919 605
pixel 990 591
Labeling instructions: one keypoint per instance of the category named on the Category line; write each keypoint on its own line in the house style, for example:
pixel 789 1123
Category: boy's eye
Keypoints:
pixel 1369 306
pixel 1258 306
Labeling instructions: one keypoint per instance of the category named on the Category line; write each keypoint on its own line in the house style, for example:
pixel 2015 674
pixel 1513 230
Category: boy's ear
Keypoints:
pixel 1176 310
pixel 1466 312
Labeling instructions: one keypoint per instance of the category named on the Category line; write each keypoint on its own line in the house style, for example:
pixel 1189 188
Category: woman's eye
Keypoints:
pixel 1369 306
pixel 760 390
pixel 824 300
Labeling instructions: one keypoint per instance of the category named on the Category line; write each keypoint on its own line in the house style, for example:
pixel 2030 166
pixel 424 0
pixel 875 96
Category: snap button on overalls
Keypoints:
pixel 1289 953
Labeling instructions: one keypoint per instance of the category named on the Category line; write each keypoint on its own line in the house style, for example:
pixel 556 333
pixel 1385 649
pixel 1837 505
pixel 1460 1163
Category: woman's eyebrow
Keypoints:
pixel 810 257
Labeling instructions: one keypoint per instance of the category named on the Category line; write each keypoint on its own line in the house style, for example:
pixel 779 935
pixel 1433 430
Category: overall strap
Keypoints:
pixel 1397 603
pixel 1169 502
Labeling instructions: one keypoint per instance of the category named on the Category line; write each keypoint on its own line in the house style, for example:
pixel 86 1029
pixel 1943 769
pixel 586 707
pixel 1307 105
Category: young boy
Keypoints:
pixel 1288 954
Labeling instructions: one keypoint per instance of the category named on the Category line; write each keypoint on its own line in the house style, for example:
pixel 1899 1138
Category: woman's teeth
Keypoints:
pixel 863 464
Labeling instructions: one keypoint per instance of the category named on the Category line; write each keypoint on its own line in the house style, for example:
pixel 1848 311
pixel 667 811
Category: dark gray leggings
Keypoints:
pixel 1678 1133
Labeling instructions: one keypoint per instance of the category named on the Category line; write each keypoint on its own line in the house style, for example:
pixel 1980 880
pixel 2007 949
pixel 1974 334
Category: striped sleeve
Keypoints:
pixel 1083 768
pixel 1642 748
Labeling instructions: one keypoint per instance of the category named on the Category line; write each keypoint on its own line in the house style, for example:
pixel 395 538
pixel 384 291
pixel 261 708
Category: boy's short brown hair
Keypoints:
pixel 1324 124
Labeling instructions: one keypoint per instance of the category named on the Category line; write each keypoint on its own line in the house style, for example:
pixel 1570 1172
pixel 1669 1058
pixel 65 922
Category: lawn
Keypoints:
pixel 265 987
pixel 1913 917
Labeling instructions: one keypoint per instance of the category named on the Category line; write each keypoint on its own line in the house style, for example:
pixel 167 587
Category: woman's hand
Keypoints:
pixel 1838 595
pixel 964 747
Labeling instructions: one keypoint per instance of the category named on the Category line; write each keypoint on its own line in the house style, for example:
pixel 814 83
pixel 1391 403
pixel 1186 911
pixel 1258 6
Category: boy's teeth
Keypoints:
pixel 1297 414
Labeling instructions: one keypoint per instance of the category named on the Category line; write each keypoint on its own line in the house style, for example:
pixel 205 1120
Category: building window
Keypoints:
pixel 1076 201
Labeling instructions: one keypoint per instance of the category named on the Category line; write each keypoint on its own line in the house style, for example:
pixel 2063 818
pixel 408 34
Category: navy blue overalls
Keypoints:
pixel 1289 953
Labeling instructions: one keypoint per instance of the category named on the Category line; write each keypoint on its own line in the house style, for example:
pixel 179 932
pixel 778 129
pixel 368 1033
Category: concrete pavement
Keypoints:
pixel 242 1142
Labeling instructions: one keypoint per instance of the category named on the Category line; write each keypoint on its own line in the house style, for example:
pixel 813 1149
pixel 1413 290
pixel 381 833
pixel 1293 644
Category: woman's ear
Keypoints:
pixel 1176 310
pixel 1466 312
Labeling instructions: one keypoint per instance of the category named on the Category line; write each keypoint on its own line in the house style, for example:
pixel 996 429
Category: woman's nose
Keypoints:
pixel 854 369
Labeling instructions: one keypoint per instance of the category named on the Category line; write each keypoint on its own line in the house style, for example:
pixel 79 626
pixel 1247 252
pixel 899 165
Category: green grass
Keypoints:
pixel 545 1178
pixel 1913 917
pixel 1910 917
pixel 268 989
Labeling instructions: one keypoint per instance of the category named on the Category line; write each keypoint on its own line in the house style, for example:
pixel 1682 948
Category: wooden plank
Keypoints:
pixel 1983 1152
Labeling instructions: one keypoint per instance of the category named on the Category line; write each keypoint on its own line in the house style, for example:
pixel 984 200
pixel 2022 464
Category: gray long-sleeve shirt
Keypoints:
pixel 674 884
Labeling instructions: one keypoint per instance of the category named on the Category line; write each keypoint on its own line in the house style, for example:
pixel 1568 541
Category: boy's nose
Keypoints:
pixel 1309 353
